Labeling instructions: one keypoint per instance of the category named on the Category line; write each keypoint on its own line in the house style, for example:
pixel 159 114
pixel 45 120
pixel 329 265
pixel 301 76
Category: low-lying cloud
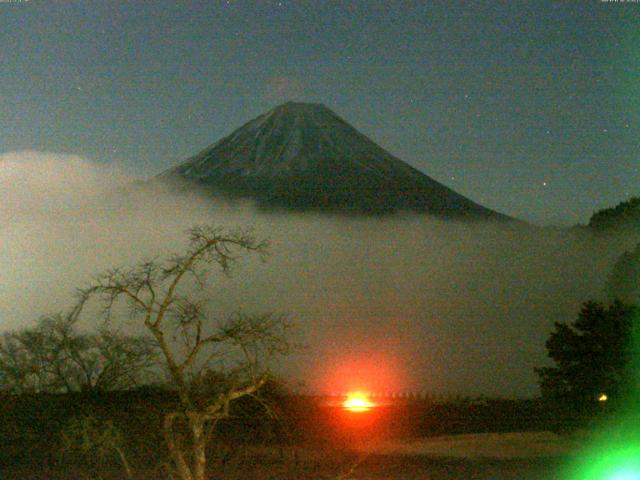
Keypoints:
pixel 404 303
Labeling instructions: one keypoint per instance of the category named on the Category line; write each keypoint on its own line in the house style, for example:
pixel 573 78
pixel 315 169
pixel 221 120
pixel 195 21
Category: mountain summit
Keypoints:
pixel 303 156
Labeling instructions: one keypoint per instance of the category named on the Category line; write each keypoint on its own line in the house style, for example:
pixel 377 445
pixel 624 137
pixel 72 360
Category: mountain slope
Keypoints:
pixel 303 156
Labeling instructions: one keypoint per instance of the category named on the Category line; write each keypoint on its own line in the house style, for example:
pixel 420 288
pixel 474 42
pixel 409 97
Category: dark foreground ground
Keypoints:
pixel 310 440
pixel 332 465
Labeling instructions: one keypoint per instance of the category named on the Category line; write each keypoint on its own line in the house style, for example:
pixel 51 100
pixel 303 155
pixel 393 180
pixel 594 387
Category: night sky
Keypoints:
pixel 529 108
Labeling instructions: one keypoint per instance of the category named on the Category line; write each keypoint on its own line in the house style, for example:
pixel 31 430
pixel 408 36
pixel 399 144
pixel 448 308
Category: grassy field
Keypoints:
pixel 517 455
pixel 521 445
pixel 492 456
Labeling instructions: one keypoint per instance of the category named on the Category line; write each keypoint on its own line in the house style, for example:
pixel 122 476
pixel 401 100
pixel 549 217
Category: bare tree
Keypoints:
pixel 54 356
pixel 89 436
pixel 210 363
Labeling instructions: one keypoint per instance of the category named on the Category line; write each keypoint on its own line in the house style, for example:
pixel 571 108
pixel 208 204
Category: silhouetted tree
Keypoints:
pixel 210 362
pixel 99 440
pixel 624 281
pixel 54 356
pixel 624 215
pixel 592 355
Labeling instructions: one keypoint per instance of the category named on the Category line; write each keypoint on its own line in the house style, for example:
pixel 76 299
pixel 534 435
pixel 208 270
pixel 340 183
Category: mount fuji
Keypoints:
pixel 302 156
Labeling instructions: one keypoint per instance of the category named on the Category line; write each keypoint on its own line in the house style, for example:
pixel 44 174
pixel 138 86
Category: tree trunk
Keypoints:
pixel 175 450
pixel 199 446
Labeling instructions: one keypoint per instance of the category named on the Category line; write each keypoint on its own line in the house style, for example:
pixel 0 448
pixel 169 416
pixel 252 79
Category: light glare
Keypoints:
pixel 357 402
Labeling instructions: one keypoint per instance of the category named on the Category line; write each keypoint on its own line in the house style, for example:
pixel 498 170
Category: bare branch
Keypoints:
pixel 53 356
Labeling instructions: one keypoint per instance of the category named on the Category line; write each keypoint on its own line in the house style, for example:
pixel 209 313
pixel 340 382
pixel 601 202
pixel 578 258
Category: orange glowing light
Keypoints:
pixel 357 402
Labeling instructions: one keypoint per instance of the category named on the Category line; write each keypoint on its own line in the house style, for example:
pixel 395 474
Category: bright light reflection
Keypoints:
pixel 625 475
pixel 609 461
pixel 357 402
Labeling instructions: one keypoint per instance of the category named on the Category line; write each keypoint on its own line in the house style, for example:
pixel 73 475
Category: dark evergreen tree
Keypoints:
pixel 592 356
pixel 624 281
pixel 624 215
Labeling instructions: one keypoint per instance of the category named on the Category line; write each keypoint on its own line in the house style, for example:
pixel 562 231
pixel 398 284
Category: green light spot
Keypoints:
pixel 625 474
pixel 609 463
pixel 614 452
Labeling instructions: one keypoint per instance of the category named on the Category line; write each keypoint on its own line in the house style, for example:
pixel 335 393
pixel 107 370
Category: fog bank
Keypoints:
pixel 398 303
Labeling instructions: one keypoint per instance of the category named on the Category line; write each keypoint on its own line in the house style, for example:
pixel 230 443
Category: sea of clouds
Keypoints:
pixel 397 303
